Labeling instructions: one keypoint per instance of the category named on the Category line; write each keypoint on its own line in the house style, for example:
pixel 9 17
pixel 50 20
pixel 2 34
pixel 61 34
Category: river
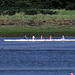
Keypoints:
pixel 37 58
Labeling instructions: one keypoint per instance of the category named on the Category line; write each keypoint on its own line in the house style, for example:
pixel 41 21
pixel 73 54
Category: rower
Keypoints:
pixel 33 37
pixel 50 36
pixel 63 37
pixel 41 36
pixel 25 37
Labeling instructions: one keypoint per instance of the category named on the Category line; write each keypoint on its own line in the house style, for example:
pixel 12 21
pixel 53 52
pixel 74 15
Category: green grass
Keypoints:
pixel 35 29
pixel 62 14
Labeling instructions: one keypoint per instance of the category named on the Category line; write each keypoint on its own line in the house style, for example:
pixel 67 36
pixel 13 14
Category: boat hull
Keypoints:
pixel 39 39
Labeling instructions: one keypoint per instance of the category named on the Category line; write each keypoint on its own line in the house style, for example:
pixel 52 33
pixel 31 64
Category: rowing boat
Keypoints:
pixel 39 39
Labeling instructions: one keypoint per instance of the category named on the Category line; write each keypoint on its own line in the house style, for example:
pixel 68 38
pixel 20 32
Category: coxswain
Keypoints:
pixel 50 36
pixel 33 37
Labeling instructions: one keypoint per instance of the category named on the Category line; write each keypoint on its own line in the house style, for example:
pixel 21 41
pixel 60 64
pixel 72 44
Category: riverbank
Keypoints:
pixel 19 24
pixel 36 34
pixel 47 30
pixel 63 17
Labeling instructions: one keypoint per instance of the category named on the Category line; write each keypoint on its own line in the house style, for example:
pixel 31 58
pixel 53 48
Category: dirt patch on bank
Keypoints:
pixel 36 22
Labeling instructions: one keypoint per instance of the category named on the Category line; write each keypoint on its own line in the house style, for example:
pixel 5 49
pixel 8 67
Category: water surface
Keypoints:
pixel 37 58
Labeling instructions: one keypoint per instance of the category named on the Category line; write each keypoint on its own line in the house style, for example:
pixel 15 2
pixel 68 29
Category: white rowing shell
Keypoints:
pixel 39 39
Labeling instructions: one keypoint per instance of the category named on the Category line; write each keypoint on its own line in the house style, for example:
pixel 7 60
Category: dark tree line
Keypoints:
pixel 39 4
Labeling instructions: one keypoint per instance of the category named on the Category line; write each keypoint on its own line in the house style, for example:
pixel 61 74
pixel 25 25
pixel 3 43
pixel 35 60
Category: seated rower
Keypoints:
pixel 25 37
pixel 33 37
pixel 50 36
pixel 42 37
pixel 63 37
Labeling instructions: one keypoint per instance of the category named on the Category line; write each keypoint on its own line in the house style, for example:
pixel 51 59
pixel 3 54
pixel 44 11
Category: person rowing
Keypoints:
pixel 33 37
pixel 63 37
pixel 42 37
pixel 25 37
pixel 51 37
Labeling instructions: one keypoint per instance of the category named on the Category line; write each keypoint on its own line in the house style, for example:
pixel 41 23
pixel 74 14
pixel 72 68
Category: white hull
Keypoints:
pixel 39 39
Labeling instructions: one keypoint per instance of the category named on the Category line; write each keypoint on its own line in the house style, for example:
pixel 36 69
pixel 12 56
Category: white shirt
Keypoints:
pixel 63 37
pixel 33 37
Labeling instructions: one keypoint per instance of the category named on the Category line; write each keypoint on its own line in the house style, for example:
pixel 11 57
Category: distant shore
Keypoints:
pixel 19 24
pixel 36 34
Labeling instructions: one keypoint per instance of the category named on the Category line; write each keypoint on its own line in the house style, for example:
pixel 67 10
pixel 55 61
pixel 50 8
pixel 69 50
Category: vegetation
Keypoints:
pixel 37 16
pixel 63 22
pixel 30 30
pixel 34 29
pixel 33 7
pixel 38 4
pixel 62 18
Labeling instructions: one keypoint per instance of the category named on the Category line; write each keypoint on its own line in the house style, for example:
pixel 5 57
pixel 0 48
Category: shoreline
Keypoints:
pixel 54 34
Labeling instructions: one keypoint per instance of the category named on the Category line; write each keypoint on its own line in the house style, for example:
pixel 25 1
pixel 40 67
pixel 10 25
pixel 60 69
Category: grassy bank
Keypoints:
pixel 20 24
pixel 30 30
pixel 63 17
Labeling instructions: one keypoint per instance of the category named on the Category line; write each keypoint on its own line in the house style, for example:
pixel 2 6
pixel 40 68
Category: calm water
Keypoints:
pixel 37 58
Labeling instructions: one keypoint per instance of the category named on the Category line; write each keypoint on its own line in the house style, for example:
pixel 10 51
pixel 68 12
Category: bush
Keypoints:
pixel 43 11
pixel 8 13
pixel 30 12
pixel 70 6
pixel 48 12
pixel 11 13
